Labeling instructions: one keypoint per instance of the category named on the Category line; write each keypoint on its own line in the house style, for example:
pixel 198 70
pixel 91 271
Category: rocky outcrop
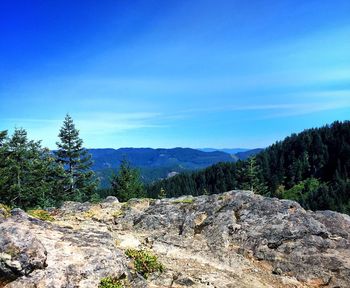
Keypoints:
pixel 234 239
pixel 20 252
pixel 34 253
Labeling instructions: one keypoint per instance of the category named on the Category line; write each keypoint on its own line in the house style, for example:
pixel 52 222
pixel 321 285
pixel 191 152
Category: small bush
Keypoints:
pixel 145 262
pixel 6 210
pixel 118 213
pixel 89 214
pixel 40 214
pixel 110 282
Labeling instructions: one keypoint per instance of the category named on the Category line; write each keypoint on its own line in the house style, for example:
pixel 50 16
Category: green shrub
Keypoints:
pixel 89 214
pixel 303 191
pixel 95 198
pixel 40 214
pixel 110 282
pixel 145 262
pixel 6 210
pixel 118 213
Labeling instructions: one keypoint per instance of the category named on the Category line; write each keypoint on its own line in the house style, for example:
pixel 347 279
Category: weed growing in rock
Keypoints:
pixel 145 262
pixel 5 210
pixel 110 282
pixel 118 213
pixel 221 197
pixel 89 214
pixel 185 201
pixel 40 214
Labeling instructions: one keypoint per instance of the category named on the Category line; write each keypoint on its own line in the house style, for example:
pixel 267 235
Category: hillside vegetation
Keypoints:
pixel 311 167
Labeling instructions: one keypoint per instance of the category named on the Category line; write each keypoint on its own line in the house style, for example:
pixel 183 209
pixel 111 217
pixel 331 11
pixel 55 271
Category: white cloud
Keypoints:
pixel 88 124
pixel 309 102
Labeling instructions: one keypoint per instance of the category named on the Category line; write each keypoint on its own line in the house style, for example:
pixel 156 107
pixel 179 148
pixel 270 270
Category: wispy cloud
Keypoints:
pixel 104 123
pixel 310 102
pixel 90 125
pixel 95 123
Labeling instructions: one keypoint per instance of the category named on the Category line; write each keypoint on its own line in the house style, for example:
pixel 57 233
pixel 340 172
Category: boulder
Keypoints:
pixel 20 252
pixel 310 246
pixel 34 253
pixel 111 199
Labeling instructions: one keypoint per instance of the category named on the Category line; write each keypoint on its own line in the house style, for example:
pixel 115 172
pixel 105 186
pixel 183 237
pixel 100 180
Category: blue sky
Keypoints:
pixel 174 73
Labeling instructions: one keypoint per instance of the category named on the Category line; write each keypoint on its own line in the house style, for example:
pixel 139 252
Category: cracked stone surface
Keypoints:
pixel 234 239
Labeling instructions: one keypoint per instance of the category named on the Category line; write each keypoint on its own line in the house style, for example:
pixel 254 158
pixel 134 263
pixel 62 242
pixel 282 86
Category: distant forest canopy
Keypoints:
pixel 311 167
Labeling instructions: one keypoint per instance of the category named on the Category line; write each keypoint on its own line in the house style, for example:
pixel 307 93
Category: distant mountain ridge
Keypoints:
pixel 226 150
pixel 155 164
pixel 244 155
pixel 139 157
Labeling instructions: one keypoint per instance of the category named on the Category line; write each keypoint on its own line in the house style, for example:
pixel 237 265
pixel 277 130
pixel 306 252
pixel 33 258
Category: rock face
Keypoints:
pixel 234 239
pixel 34 253
pixel 20 252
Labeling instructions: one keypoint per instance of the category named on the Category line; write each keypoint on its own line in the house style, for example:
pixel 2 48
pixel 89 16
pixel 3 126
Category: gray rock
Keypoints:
pixel 19 213
pixel 70 207
pixel 111 199
pixel 20 252
pixel 311 246
pixel 234 239
pixel 35 253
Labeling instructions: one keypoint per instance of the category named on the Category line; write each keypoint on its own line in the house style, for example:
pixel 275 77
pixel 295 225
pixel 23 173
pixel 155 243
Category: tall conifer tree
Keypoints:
pixel 127 184
pixel 80 180
pixel 28 173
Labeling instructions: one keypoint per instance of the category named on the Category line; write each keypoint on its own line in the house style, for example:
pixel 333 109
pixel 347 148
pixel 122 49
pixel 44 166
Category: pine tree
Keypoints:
pixel 80 182
pixel 3 165
pixel 127 184
pixel 22 154
pixel 28 172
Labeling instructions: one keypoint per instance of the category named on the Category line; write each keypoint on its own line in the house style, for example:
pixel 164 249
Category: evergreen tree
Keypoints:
pixel 3 136
pixel 28 172
pixel 127 184
pixel 250 176
pixel 80 182
pixel 3 165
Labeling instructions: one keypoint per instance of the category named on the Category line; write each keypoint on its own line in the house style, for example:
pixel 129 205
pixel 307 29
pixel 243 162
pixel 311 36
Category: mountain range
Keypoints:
pixel 226 150
pixel 155 164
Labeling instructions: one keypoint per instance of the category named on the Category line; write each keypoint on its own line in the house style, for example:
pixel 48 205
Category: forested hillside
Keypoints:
pixel 311 167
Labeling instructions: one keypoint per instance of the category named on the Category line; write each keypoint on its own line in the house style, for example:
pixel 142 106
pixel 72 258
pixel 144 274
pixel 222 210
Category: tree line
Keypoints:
pixel 311 167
